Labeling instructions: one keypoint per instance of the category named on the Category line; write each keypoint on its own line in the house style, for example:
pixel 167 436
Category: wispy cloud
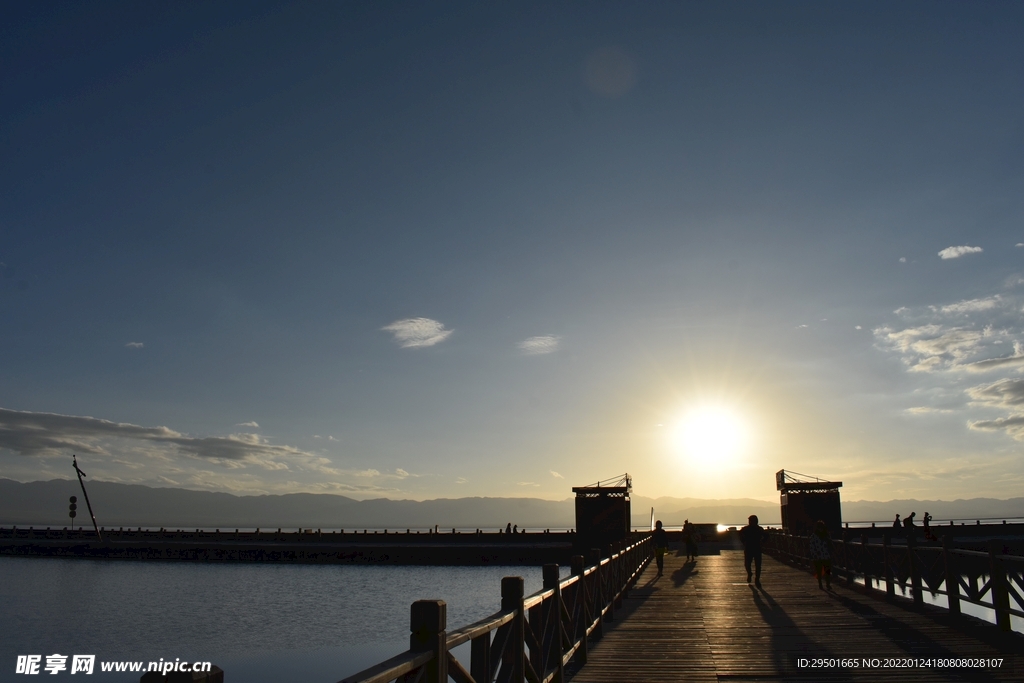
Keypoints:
pixel 1012 425
pixel 926 348
pixel 535 346
pixel 970 334
pixel 372 472
pixel 957 252
pixel 417 332
pixel 367 473
pixel 462 480
pixel 248 424
pixel 134 345
pixel 556 474
pixel 927 410
pixel 1006 393
pixel 995 363
pixel 955 341
pixel 527 483
pixel 970 306
pixel 48 434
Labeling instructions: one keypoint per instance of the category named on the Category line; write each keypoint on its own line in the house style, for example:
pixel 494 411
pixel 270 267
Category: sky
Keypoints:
pixel 423 250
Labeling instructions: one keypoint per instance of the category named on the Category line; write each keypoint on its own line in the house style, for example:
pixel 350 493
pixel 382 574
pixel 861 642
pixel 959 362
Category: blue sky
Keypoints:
pixel 469 249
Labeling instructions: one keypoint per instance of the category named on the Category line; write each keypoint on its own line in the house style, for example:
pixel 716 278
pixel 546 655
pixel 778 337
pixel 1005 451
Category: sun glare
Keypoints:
pixel 712 437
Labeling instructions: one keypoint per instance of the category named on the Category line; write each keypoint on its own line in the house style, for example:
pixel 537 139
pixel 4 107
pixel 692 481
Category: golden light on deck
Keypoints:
pixel 712 437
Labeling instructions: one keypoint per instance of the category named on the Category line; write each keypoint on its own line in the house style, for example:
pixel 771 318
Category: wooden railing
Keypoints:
pixel 991 580
pixel 531 638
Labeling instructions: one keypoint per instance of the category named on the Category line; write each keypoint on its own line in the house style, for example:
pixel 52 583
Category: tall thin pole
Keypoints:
pixel 74 463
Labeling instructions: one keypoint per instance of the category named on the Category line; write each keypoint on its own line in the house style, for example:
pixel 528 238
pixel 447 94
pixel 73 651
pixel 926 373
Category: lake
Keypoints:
pixel 258 622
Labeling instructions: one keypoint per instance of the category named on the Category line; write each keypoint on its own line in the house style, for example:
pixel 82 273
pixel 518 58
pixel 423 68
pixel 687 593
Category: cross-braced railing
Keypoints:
pixel 992 580
pixel 531 638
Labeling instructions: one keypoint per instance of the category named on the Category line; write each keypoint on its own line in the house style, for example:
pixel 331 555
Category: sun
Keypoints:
pixel 712 437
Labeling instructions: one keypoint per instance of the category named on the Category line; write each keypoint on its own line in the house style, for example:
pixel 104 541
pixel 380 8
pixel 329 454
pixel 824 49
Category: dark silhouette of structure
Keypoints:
pixel 602 512
pixel 74 463
pixel 805 500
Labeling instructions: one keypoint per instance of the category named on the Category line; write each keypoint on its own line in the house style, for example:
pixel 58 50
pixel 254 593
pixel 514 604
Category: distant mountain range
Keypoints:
pixel 45 503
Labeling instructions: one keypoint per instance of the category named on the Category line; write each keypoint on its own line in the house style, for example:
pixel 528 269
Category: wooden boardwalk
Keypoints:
pixel 702 622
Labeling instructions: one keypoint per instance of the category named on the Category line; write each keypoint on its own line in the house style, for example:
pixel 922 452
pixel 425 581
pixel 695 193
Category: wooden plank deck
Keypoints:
pixel 702 622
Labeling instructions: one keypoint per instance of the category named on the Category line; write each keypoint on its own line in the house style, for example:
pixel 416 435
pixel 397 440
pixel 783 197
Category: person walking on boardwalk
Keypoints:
pixel 660 546
pixel 508 528
pixel 908 525
pixel 897 524
pixel 690 538
pixel 821 554
pixel 751 535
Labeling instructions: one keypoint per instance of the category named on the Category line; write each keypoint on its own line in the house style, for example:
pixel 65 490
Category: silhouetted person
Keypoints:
pixel 690 538
pixel 926 523
pixel 508 528
pixel 660 546
pixel 821 554
pixel 751 535
pixel 897 524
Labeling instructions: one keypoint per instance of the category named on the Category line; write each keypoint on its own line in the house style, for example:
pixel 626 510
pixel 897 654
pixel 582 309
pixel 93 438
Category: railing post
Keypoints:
pixel 578 566
pixel 915 570
pixel 515 651
pixel 480 657
pixel 890 586
pixel 428 623
pixel 952 578
pixel 536 625
pixel 617 584
pixel 627 567
pixel 865 560
pixel 598 577
pixel 1000 596
pixel 848 565
pixel 553 616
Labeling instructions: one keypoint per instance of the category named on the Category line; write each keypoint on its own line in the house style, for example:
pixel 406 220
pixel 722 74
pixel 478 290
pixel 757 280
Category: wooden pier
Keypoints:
pixel 703 622
pixel 617 621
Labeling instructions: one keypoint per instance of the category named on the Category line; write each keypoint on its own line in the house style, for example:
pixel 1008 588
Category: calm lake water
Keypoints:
pixel 261 623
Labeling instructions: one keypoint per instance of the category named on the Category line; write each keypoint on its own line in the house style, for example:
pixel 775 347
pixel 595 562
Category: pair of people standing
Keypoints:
pixel 820 551
pixel 661 543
